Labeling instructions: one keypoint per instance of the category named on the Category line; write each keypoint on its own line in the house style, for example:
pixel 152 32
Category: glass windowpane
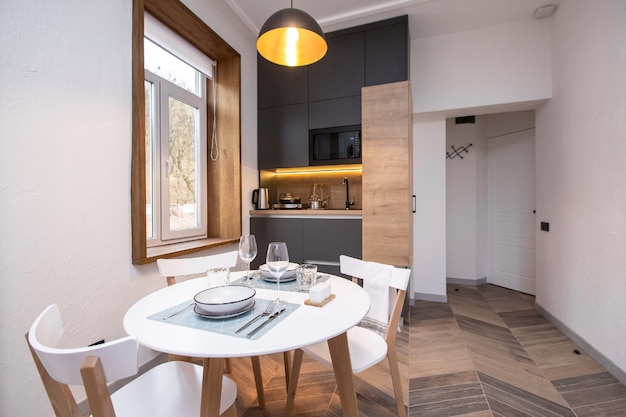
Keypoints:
pixel 182 166
pixel 149 94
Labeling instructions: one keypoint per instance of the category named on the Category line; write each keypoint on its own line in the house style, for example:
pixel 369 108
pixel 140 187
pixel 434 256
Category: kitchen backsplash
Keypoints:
pixel 301 185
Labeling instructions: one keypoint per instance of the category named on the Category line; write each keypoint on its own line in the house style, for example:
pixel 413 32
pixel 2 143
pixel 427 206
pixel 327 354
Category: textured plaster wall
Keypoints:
pixel 581 177
pixel 65 141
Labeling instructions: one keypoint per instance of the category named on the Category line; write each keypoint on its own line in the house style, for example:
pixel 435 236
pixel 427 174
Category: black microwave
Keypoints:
pixel 336 145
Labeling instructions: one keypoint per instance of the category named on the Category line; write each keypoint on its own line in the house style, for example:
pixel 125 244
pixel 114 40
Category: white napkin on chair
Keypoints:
pixel 376 283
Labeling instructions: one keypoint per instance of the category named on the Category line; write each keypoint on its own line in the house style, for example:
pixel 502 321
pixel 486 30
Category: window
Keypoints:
pixel 176 155
pixel 193 208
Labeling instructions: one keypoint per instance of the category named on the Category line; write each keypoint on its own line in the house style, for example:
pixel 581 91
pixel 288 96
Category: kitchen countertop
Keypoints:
pixel 308 213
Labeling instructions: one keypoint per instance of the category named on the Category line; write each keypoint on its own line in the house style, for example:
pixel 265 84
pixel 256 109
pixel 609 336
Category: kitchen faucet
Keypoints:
pixel 348 202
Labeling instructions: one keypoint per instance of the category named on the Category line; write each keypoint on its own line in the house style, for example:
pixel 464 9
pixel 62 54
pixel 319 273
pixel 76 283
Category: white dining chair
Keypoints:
pixel 169 389
pixel 185 267
pixel 366 344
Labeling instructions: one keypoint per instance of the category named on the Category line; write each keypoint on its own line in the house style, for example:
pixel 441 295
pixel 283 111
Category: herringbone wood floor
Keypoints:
pixel 485 353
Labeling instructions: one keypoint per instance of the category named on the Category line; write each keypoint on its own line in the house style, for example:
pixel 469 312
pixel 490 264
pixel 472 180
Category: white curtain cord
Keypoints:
pixel 215 152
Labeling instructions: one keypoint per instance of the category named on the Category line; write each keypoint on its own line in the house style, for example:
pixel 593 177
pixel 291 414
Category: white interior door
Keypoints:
pixel 511 178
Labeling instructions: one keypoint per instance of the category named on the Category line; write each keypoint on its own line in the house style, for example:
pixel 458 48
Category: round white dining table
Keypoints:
pixel 304 326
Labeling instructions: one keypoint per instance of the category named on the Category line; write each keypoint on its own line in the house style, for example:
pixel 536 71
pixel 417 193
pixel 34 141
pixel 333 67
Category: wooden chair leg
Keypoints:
pixel 227 365
pixel 258 380
pixel 392 357
pixel 230 411
pixel 96 387
pixel 60 395
pixel 293 381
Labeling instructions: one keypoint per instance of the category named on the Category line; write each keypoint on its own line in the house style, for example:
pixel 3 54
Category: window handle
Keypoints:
pixel 168 167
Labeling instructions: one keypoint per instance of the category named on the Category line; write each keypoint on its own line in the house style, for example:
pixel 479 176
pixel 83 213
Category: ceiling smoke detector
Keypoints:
pixel 544 11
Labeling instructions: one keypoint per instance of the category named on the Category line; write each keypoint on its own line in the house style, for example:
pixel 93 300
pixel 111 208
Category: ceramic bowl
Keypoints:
pixel 224 300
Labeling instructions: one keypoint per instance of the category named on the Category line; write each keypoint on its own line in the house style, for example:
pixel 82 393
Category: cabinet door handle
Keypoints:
pixel 414 204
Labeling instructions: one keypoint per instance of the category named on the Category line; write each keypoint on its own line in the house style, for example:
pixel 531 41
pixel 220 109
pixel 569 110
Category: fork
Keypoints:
pixel 267 312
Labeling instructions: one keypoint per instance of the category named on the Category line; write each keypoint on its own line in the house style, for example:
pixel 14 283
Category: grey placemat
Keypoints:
pixel 227 326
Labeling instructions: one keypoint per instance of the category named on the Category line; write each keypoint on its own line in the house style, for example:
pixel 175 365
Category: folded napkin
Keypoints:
pixel 376 283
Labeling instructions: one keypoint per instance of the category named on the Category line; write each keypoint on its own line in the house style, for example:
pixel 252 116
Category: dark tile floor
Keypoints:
pixel 485 353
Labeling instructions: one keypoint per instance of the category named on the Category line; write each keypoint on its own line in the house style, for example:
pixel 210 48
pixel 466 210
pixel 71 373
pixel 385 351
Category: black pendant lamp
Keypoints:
pixel 292 38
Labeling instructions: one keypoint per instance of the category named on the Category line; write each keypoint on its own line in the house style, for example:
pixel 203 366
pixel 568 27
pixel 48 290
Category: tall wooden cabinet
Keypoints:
pixel 387 173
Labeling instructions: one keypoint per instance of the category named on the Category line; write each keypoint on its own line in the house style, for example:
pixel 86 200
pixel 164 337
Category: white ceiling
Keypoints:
pixel 426 17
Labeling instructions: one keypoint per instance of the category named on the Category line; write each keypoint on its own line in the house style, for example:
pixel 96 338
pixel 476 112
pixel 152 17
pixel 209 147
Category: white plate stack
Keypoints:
pixel 288 275
pixel 224 302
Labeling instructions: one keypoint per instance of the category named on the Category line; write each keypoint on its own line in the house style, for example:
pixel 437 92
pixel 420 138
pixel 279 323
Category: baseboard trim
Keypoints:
pixel 599 357
pixel 429 297
pixel 466 281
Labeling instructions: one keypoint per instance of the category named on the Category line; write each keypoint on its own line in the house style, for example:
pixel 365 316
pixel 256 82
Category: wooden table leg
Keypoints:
pixel 293 381
pixel 340 355
pixel 211 387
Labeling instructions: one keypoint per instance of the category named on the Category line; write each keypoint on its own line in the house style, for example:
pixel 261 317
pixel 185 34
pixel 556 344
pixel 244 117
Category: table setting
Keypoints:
pixel 208 317
pixel 229 306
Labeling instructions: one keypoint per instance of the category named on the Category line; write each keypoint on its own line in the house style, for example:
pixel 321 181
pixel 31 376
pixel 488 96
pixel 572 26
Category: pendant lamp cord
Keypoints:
pixel 215 152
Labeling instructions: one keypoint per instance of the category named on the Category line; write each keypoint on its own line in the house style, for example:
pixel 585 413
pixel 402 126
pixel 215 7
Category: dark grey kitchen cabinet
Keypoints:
pixel 326 239
pixel 283 136
pixel 283 121
pixel 341 72
pixel 344 111
pixel 268 230
pixel 387 53
pixel 335 82
pixel 279 85
pixel 320 241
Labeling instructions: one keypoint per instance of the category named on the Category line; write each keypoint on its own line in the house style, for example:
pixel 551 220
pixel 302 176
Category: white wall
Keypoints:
pixel 581 177
pixel 489 70
pixel 494 65
pixel 428 277
pixel 466 201
pixel 65 151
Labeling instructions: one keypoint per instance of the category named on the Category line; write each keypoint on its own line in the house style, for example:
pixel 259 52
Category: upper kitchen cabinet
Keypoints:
pixel 335 82
pixel 283 121
pixel 279 85
pixel 387 52
pixel 283 136
pixel 387 174
pixel 340 73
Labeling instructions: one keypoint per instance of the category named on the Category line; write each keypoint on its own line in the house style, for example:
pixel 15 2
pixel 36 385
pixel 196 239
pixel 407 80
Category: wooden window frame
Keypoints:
pixel 224 175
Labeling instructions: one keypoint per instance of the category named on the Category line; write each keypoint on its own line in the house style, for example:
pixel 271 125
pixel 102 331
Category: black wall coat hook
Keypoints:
pixel 457 152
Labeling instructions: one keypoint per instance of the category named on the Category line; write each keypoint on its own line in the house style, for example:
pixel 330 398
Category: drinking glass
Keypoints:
pixel 247 251
pixel 277 261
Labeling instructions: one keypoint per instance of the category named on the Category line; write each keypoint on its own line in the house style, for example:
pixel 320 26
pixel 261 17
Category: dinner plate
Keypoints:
pixel 288 275
pixel 224 316
pixel 224 300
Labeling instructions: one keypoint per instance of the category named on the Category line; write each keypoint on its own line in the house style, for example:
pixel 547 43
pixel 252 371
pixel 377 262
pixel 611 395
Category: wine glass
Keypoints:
pixel 247 251
pixel 277 261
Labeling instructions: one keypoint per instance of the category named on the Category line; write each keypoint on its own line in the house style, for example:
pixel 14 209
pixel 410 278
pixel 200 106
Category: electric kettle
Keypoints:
pixel 260 199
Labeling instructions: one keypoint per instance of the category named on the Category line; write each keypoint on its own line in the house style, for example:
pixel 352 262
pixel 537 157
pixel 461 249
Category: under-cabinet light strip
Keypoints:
pixel 327 169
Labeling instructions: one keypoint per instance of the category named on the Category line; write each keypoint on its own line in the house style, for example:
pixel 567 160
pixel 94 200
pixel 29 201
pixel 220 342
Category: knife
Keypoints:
pixel 270 318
